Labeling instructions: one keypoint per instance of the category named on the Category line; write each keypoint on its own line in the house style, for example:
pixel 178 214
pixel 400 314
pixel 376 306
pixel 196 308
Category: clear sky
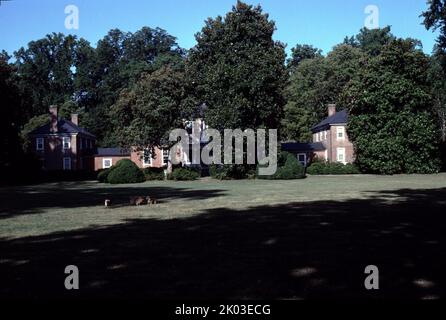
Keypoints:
pixel 322 23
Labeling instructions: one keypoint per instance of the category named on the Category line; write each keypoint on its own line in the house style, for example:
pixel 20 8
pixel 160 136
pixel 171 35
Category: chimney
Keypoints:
pixel 53 118
pixel 331 109
pixel 75 118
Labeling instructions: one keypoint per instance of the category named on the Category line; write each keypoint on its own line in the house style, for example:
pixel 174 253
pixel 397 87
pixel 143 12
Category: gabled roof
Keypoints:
pixel 63 127
pixel 338 118
pixel 116 152
pixel 302 146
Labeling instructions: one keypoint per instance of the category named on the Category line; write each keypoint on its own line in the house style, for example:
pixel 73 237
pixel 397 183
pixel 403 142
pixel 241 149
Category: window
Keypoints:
pixel 165 156
pixel 339 133
pixel 147 157
pixel 302 158
pixel 316 137
pixel 340 155
pixel 66 142
pixel 325 135
pixel 321 138
pixel 67 163
pixel 106 163
pixel 39 144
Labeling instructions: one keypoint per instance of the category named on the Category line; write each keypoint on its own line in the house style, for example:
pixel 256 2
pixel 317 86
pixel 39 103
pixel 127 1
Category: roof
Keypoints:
pixel 338 118
pixel 302 146
pixel 116 152
pixel 63 127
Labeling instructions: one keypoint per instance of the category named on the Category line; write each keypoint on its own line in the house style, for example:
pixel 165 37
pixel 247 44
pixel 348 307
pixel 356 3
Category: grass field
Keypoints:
pixel 309 238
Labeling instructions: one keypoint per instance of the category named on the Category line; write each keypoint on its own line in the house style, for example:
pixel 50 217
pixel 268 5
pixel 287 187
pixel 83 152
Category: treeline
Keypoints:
pixel 132 88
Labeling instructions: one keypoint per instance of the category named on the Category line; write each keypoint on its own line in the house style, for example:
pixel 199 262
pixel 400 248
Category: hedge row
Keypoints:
pixel 318 168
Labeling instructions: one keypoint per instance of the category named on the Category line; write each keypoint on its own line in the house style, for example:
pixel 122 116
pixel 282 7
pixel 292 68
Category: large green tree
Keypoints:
pixel 300 53
pixel 238 70
pixel 314 84
pixel 144 114
pixel 391 122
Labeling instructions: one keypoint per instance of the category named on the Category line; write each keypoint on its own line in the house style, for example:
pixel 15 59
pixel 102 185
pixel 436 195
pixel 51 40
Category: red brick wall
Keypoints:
pixel 98 161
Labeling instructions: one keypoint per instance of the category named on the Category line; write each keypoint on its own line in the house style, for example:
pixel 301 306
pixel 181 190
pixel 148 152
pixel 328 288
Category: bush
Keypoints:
pixel 318 168
pixel 125 171
pixel 154 173
pixel 231 171
pixel 103 175
pixel 288 167
pixel 184 174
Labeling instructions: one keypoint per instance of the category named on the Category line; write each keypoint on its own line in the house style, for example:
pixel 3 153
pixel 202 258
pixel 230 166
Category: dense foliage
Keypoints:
pixel 391 120
pixel 125 171
pixel 288 167
pixel 152 173
pixel 238 70
pixel 319 167
pixel 184 174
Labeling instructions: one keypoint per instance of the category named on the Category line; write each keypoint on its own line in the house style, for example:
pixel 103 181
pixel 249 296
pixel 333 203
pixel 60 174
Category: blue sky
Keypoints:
pixel 320 23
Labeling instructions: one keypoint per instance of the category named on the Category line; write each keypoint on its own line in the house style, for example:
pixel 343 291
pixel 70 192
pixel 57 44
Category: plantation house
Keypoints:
pixel 64 145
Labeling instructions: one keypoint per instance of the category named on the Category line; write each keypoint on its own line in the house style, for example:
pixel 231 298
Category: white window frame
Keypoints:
pixel 340 130
pixel 317 137
pixel 103 163
pixel 325 135
pixel 147 163
pixel 168 155
pixel 64 164
pixel 340 151
pixel 305 158
pixel 40 142
pixel 68 141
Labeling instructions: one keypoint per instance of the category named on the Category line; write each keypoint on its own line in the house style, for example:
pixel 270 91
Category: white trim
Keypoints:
pixel 64 164
pixel 338 131
pixel 68 140
pixel 40 141
pixel 103 163
pixel 304 163
pixel 162 154
pixel 340 152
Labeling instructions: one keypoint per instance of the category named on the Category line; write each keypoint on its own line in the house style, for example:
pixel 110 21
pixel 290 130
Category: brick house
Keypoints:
pixel 330 140
pixel 63 145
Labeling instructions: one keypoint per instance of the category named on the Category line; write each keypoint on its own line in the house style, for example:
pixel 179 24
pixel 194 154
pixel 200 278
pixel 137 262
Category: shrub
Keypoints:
pixel 103 175
pixel 184 174
pixel 288 167
pixel 232 171
pixel 125 171
pixel 318 168
pixel 154 173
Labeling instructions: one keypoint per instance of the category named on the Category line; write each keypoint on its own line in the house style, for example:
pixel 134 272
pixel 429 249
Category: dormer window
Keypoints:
pixel 66 143
pixel 39 144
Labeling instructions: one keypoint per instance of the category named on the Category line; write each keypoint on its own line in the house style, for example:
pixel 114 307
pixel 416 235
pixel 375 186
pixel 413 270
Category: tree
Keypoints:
pixel 238 70
pixel 391 123
pixel 300 53
pixel 314 84
pixel 144 114
pixel 372 41
pixel 435 19
pixel 10 115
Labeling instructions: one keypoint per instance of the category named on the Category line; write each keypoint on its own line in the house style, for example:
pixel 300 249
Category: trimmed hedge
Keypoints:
pixel 103 175
pixel 318 168
pixel 232 171
pixel 184 174
pixel 125 171
pixel 154 173
pixel 288 167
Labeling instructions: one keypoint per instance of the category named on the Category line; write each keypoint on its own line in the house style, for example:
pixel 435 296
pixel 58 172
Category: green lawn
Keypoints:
pixel 237 239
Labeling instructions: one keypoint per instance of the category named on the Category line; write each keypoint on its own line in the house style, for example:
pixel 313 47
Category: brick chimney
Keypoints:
pixel 75 118
pixel 331 109
pixel 53 118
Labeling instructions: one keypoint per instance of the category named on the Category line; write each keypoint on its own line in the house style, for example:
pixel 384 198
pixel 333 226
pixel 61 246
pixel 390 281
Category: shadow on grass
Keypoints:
pixel 29 200
pixel 298 250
